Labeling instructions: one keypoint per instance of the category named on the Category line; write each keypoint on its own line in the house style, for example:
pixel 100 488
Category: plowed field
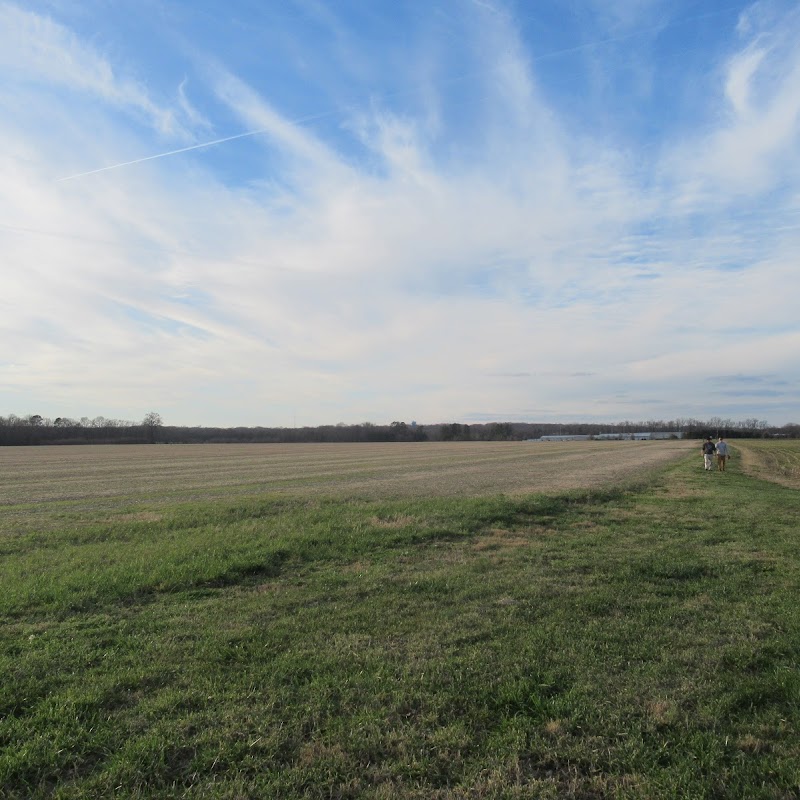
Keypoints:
pixel 108 475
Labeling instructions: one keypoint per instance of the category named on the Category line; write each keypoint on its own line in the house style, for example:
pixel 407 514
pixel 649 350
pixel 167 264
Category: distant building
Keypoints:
pixel 639 436
pixel 565 438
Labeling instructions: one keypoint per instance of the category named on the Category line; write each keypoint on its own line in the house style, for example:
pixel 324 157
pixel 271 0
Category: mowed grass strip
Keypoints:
pixel 627 642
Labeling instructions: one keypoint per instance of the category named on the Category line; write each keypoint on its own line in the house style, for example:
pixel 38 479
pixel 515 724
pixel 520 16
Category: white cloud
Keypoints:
pixel 256 113
pixel 539 272
pixel 741 70
pixel 758 138
pixel 41 51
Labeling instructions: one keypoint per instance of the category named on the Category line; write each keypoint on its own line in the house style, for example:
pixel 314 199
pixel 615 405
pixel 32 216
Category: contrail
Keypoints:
pixel 454 79
pixel 200 146
pixel 163 155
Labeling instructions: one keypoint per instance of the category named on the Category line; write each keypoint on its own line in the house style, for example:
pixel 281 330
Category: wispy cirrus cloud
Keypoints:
pixel 756 139
pixel 44 53
pixel 387 258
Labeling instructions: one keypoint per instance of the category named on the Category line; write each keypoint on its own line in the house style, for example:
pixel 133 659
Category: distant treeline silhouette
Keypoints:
pixel 37 430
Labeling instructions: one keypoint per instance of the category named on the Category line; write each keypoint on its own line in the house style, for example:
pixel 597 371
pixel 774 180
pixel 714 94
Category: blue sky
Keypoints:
pixel 306 212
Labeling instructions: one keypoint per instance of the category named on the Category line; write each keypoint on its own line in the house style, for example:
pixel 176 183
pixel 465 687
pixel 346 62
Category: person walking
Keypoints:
pixel 708 450
pixel 722 454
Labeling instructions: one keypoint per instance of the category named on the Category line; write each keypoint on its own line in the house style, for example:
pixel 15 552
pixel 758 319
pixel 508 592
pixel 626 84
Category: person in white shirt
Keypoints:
pixel 722 454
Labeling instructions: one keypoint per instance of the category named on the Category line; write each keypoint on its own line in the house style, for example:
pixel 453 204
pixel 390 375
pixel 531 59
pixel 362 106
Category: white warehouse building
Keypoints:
pixel 639 436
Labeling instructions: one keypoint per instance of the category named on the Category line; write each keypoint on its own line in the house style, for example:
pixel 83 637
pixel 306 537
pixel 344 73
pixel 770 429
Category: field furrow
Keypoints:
pixel 94 474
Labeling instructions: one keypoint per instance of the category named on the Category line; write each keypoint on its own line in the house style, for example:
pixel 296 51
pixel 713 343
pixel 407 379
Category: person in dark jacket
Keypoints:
pixel 708 450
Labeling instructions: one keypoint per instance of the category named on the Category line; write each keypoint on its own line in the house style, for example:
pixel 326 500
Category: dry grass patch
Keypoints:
pixel 356 567
pixel 500 539
pixel 661 712
pixel 751 744
pixel 139 516
pixel 555 728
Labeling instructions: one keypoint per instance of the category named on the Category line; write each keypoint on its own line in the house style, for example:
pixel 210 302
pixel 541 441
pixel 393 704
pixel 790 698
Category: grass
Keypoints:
pixel 774 460
pixel 620 642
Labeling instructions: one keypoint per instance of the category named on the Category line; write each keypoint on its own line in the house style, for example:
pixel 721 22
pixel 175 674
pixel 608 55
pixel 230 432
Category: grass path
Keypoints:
pixel 636 643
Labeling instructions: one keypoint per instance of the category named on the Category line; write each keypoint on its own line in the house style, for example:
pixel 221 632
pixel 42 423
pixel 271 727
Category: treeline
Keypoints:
pixel 689 427
pixel 37 430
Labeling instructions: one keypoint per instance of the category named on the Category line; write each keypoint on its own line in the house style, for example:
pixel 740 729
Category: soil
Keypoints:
pixel 106 475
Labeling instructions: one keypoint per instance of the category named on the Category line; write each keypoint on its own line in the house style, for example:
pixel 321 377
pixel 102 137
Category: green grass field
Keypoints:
pixel 632 640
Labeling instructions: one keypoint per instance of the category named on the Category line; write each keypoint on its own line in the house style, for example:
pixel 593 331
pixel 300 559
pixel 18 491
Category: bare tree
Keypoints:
pixel 152 422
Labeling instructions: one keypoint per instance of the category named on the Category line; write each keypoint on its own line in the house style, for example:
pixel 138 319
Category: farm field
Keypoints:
pixel 465 620
pixel 774 460
pixel 130 473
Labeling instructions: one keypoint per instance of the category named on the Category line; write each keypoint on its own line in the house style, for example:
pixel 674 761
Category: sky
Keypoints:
pixel 306 212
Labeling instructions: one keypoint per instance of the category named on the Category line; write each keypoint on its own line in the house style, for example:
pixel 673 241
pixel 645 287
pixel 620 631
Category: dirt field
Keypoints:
pixel 132 474
pixel 773 460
